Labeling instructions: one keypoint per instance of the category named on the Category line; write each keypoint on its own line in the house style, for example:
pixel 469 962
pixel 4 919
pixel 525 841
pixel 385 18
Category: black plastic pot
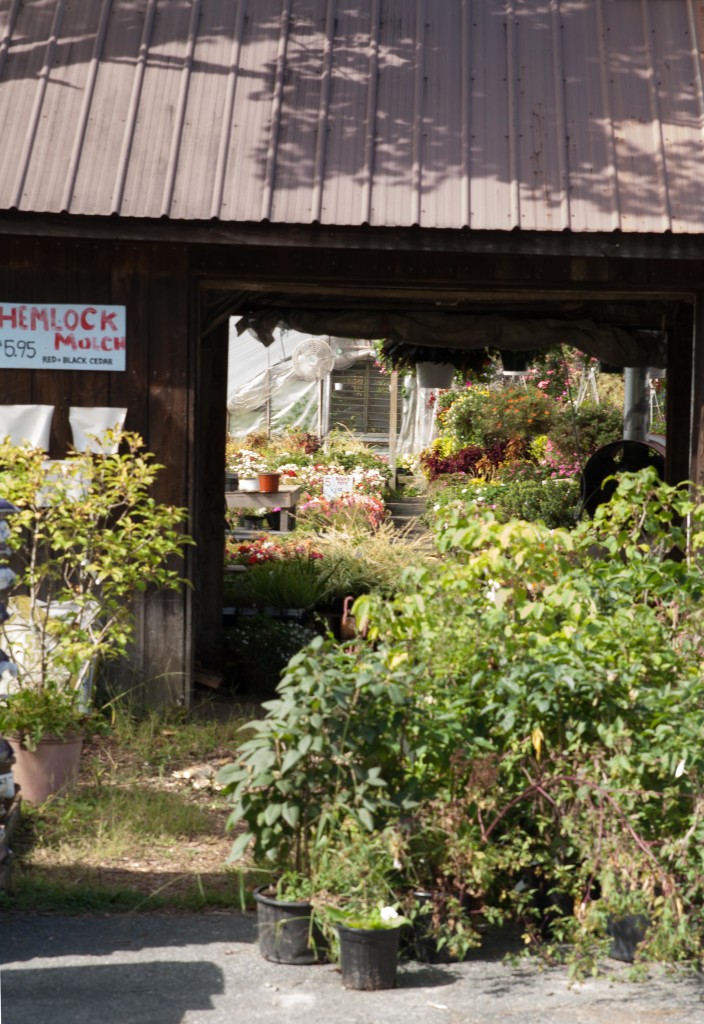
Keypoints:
pixel 626 934
pixel 368 957
pixel 287 931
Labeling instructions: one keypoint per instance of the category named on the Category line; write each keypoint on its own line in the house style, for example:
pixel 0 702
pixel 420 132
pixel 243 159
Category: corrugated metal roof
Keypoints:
pixel 490 114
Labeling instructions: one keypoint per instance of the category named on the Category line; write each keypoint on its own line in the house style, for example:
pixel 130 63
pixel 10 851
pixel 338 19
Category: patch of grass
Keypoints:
pixel 170 740
pixel 88 894
pixel 372 562
pixel 135 833
pixel 106 821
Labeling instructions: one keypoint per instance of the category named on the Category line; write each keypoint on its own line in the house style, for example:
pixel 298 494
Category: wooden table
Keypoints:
pixel 285 499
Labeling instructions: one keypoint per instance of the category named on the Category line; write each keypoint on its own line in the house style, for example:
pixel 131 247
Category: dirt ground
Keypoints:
pixel 181 867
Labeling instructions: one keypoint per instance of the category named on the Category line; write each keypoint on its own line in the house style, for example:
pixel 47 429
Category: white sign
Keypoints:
pixel 335 485
pixel 45 337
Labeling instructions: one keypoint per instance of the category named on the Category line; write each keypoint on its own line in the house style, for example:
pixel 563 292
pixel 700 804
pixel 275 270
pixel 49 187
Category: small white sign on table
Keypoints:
pixel 62 337
pixel 335 485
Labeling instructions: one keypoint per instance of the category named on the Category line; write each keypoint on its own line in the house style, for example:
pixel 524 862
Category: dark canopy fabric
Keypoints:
pixel 613 345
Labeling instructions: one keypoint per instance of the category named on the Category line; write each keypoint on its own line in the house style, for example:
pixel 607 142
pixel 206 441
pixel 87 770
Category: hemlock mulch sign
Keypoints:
pixel 62 337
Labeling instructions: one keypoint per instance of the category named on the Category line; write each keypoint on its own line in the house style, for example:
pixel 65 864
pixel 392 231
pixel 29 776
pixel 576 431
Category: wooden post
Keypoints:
pixel 393 417
pixel 697 454
pixel 209 515
pixel 681 461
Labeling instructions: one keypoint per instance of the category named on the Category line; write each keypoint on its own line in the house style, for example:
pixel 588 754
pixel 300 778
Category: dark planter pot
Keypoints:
pixel 435 375
pixel 368 957
pixel 626 934
pixel 252 522
pixel 287 930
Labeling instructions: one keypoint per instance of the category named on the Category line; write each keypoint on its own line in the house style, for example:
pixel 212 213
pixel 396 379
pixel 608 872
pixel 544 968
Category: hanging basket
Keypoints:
pixel 435 375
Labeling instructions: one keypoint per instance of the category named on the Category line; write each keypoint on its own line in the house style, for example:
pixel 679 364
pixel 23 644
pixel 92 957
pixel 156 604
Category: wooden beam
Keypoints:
pixel 393 417
pixel 615 246
pixel 209 511
pixel 697 461
pixel 680 358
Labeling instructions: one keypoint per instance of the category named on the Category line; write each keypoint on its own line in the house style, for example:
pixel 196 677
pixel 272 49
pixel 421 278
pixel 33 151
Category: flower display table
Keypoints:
pixel 285 499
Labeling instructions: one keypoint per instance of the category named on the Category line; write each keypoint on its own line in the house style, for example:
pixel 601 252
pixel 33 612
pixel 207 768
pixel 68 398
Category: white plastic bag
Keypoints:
pixel 26 425
pixel 89 423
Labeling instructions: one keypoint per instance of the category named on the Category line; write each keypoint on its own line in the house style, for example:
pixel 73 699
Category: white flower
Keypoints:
pixel 397 865
pixel 388 913
pixel 492 590
pixel 680 769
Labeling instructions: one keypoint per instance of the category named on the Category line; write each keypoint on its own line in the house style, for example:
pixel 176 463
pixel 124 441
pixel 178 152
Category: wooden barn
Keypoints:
pixel 457 174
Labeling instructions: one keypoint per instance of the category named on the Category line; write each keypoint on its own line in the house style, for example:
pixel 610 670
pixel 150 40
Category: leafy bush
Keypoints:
pixel 87 538
pixel 329 747
pixel 524 715
pixel 473 460
pixel 578 433
pixel 482 416
pixel 552 502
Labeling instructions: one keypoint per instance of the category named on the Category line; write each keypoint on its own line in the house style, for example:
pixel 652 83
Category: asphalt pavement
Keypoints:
pixel 206 969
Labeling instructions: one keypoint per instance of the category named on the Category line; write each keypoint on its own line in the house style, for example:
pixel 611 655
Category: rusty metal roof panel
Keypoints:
pixel 246 192
pixel 96 186
pixel 542 115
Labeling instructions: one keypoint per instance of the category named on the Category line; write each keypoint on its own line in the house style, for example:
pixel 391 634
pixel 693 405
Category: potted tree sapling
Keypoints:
pixel 82 547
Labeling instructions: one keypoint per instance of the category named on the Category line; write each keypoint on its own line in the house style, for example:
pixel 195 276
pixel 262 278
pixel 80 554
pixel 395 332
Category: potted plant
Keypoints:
pixel 287 926
pixel 269 479
pixel 246 464
pixel 81 550
pixel 45 729
pixel 369 944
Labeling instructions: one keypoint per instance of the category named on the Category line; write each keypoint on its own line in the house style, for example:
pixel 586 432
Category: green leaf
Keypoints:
pixel 291 813
pixel 291 757
pixel 272 813
pixel 239 846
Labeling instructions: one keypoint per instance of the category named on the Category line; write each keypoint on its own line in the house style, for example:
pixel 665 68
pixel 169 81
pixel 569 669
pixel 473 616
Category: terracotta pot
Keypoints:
pixel 269 482
pixel 52 767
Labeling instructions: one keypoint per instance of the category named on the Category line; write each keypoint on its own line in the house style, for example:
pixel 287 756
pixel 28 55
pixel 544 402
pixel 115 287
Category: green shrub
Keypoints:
pixel 552 502
pixel 524 715
pixel 579 432
pixel 482 416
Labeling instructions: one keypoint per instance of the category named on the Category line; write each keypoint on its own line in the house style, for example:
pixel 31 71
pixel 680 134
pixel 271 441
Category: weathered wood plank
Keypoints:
pixel 680 352
pixel 167 647
pixel 211 425
pixel 697 470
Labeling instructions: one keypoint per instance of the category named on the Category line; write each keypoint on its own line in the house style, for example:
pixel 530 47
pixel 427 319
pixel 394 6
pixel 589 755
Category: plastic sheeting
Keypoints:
pixel 265 394
pixel 418 422
pixel 612 345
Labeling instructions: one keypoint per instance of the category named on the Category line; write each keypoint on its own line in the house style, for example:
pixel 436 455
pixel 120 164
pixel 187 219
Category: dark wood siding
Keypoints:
pixel 152 282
